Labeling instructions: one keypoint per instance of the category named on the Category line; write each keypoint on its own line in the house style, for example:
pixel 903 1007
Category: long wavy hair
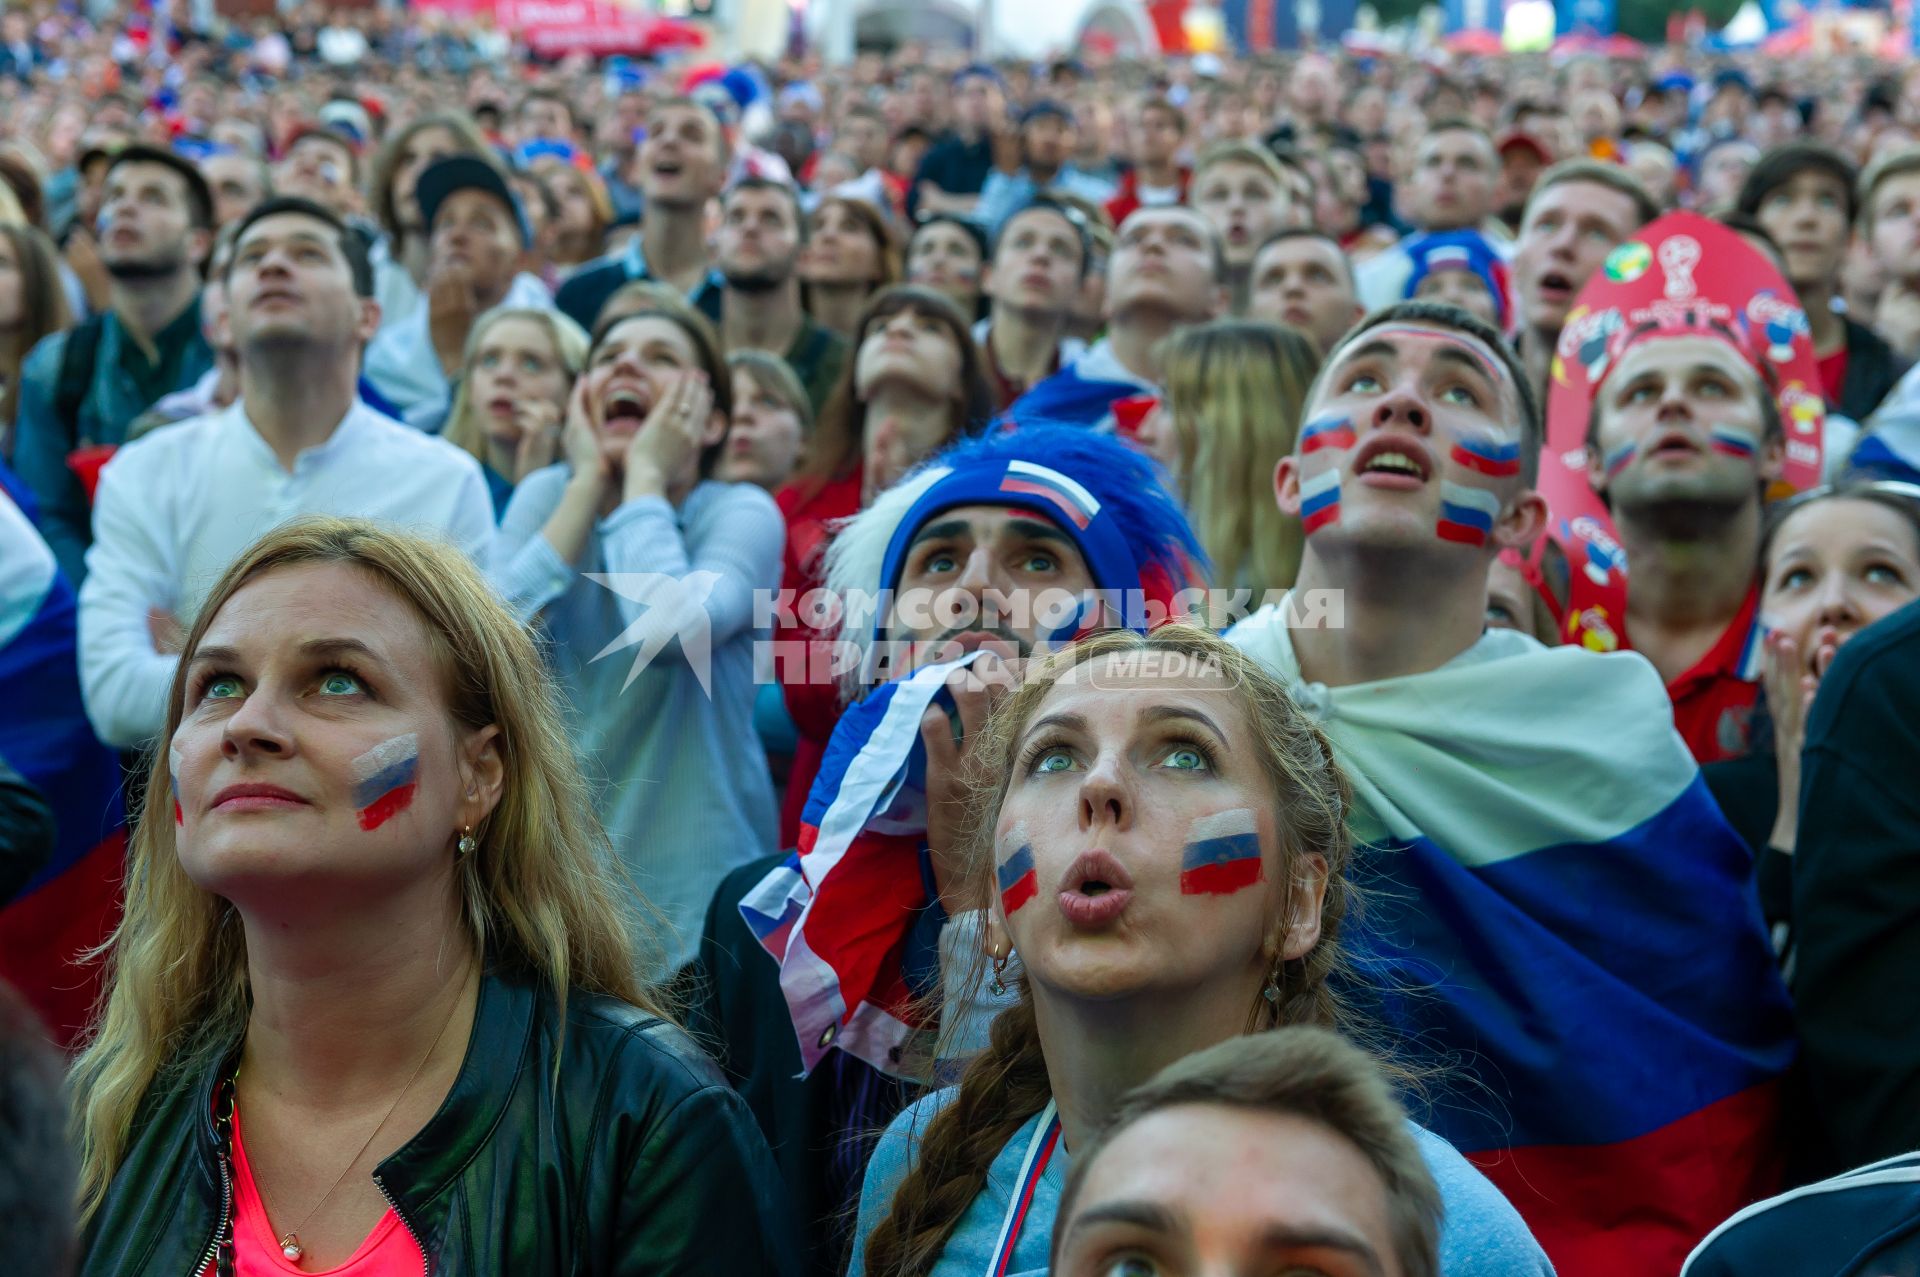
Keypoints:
pixel 1235 389
pixel 1006 1084
pixel 535 891
pixel 840 434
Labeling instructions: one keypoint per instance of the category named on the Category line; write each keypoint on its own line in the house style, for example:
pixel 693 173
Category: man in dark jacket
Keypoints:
pixel 1856 901
pixel 952 173
pixel 1803 195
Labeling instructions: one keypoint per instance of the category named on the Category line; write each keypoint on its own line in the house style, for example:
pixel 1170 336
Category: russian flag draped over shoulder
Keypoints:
pixel 72 904
pixel 1560 915
pixel 839 914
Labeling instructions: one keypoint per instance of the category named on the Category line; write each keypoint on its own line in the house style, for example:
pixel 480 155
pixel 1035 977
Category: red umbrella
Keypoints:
pixel 1475 42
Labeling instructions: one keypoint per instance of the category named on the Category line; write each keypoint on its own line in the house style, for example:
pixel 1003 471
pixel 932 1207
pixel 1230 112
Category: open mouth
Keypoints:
pixel 625 408
pixel 1555 286
pixel 1095 890
pixel 1674 444
pixel 1386 462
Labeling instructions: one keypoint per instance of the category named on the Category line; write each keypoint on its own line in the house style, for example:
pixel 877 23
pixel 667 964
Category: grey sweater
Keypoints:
pixel 677 771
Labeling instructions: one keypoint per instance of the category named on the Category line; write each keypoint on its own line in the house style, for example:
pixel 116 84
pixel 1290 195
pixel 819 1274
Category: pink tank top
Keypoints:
pixel 388 1251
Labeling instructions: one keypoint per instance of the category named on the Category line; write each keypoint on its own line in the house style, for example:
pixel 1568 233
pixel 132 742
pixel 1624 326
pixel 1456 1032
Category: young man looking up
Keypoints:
pixel 1499 784
pixel 1580 211
pixel 683 166
pixel 1802 194
pixel 1683 442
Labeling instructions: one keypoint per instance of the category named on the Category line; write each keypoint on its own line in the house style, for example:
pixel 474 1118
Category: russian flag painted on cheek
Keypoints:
pixel 72 903
pixel 1489 457
pixel 1559 913
pixel 1466 513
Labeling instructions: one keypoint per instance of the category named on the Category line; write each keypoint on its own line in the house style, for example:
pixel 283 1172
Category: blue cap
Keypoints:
pixel 1460 250
pixel 1107 497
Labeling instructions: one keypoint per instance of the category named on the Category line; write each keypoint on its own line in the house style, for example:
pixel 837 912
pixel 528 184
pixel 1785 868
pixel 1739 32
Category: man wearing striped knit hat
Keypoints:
pixel 1559 914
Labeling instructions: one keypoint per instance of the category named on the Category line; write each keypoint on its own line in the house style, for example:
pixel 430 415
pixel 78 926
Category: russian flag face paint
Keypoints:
pixel 1731 441
pixel 1019 881
pixel 1326 432
pixel 1466 513
pixel 1222 855
pixel 1619 458
pixel 173 781
pixel 1488 456
pixel 383 780
pixel 1319 501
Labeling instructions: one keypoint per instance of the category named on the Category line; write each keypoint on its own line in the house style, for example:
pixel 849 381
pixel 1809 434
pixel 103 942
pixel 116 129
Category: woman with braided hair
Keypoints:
pixel 1160 833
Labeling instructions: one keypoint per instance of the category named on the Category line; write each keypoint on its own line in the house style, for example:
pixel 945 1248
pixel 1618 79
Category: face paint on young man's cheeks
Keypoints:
pixel 1732 441
pixel 1616 460
pixel 1018 880
pixel 1222 855
pixel 384 780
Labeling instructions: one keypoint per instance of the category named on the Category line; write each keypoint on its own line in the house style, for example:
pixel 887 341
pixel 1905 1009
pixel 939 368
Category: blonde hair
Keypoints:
pixel 1235 151
pixel 1007 1084
pixel 569 341
pixel 536 886
pixel 1301 1072
pixel 1235 390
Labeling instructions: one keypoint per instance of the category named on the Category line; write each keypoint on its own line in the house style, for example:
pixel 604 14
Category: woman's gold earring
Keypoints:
pixel 466 844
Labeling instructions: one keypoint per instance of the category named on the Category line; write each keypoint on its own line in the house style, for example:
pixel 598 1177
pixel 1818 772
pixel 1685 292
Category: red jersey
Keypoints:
pixel 1713 702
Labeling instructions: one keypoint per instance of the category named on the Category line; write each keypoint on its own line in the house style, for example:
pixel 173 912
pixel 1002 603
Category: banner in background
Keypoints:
pixel 554 28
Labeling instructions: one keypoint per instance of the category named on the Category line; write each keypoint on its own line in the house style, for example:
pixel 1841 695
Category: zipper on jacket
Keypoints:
pixel 426 1264
pixel 220 1229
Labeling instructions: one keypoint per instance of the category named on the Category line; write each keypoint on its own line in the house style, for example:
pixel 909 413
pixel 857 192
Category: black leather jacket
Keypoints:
pixel 640 1160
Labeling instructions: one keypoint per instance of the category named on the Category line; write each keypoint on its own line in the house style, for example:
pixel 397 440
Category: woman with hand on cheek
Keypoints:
pixel 374 1005
pixel 1160 835
pixel 643 567
pixel 1834 561
pixel 513 393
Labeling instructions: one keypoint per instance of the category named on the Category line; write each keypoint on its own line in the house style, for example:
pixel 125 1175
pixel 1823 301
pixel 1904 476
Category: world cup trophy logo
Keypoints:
pixel 1678 257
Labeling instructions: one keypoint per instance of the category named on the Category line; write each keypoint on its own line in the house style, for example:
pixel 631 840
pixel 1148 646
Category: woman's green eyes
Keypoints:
pixel 222 687
pixel 1054 760
pixel 1186 758
pixel 339 684
pixel 1181 758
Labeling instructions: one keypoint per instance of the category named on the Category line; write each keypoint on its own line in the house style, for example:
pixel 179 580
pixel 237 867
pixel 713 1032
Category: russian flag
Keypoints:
pixel 1489 457
pixel 1083 393
pixel 73 903
pixel 1327 432
pixel 1319 500
pixel 838 914
pixel 1559 916
pixel 1019 882
pixel 1734 443
pixel 1075 503
pixel 1223 856
pixel 1466 513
